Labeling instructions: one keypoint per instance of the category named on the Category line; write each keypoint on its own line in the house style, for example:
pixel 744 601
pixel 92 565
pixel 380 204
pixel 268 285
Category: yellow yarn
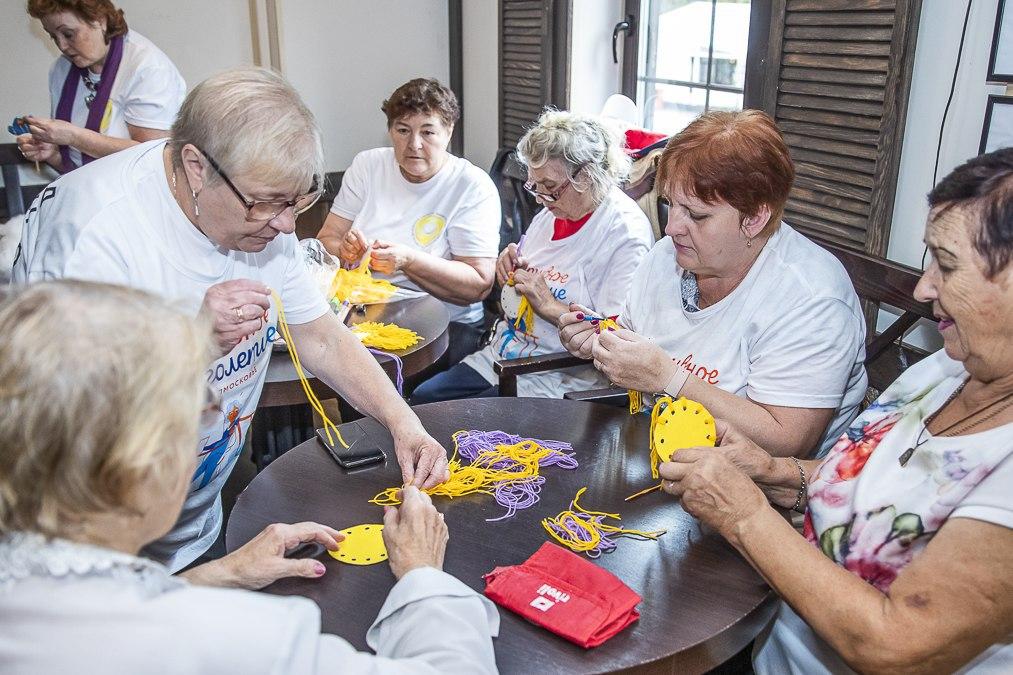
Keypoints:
pixel 478 477
pixel 691 426
pixel 311 396
pixel 385 336
pixel 569 519
pixel 636 398
pixel 525 315
pixel 358 286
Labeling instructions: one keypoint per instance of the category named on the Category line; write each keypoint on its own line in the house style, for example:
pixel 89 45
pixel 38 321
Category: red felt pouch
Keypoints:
pixel 568 595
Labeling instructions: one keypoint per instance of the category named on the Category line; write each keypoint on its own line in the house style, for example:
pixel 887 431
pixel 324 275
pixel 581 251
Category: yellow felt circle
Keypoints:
pixel 428 228
pixel 683 424
pixel 362 545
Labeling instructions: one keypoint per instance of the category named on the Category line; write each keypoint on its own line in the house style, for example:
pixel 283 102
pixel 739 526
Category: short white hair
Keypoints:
pixel 101 389
pixel 580 142
pixel 252 122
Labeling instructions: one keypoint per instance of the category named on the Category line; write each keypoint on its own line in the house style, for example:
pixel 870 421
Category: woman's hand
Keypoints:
pixel 35 150
pixel 746 455
pixel 236 309
pixel 353 247
pixel 415 534
pixel 533 287
pixel 261 561
pixel 577 335
pixel 422 459
pixel 631 361
pixel 712 488
pixel 507 262
pixel 388 257
pixel 57 132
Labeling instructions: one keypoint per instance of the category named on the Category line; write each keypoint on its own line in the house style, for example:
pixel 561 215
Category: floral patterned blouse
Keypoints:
pixel 872 515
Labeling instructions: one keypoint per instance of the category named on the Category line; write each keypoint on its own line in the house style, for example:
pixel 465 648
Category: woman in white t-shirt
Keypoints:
pixel 111 89
pixel 908 540
pixel 583 247
pixel 733 308
pixel 425 218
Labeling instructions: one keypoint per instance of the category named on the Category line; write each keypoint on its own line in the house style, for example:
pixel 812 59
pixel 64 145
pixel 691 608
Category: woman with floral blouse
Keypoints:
pixel 906 559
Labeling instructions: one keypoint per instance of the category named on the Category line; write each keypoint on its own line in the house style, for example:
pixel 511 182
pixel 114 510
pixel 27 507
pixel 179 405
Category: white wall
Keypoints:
pixel 346 57
pixel 939 33
pixel 593 76
pixel 481 81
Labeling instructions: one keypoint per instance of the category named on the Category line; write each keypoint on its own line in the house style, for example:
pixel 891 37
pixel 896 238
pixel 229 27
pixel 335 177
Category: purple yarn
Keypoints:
pixel 472 443
pixel 517 494
pixel 569 529
pixel 398 365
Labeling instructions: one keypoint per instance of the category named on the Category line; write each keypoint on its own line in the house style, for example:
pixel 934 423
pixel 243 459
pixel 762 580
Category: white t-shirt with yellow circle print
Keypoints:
pixel 454 213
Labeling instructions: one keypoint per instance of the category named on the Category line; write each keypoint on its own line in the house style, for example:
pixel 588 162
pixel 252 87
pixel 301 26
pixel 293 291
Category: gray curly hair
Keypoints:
pixel 580 142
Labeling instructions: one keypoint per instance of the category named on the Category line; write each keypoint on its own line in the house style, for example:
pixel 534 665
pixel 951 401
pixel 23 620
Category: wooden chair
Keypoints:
pixel 15 197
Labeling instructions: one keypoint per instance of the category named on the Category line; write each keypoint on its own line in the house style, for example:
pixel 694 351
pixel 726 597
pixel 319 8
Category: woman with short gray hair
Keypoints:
pixel 207 219
pixel 583 248
pixel 99 413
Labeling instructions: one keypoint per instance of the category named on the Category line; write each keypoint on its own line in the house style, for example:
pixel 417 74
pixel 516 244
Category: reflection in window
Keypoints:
pixel 692 59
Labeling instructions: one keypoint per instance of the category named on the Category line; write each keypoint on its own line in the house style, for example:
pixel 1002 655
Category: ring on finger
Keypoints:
pixel 239 314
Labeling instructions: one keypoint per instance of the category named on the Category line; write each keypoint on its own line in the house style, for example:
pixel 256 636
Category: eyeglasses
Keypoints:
pixel 260 211
pixel 549 197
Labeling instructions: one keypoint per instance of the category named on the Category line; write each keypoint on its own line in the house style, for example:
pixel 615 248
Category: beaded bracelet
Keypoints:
pixel 804 486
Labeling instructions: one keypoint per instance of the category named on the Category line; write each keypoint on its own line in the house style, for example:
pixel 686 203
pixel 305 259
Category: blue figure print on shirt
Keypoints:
pixel 517 343
pixel 231 442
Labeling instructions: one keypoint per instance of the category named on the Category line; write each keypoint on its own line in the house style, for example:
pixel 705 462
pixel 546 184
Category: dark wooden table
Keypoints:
pixel 702 602
pixel 426 315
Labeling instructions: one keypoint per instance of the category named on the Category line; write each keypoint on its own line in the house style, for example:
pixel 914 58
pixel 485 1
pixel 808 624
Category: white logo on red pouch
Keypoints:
pixel 543 603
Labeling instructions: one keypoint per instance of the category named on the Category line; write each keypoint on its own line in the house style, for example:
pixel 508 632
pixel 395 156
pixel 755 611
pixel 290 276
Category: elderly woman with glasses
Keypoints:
pixel 207 219
pixel 101 388
pixel 583 247
pixel 420 216
pixel 734 308
pixel 904 563
pixel 111 88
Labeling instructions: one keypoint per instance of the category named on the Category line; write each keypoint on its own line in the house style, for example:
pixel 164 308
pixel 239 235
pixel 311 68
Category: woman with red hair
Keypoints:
pixel 734 308
pixel 111 87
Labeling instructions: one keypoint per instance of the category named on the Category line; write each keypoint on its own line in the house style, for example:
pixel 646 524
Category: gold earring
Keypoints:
pixel 749 242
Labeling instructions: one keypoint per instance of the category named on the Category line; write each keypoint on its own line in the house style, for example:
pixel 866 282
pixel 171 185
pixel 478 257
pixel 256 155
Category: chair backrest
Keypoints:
pixel 642 186
pixel 13 198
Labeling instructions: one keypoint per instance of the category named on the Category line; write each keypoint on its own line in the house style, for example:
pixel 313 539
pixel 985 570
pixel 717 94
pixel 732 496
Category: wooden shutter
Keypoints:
pixel 532 62
pixel 837 84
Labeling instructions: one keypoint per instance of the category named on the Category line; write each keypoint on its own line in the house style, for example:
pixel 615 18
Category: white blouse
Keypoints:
pixel 67 607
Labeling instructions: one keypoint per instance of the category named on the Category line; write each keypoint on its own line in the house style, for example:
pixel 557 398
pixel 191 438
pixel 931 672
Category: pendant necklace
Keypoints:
pixel 1006 400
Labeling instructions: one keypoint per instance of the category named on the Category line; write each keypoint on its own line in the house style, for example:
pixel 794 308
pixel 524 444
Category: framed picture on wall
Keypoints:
pixel 1000 64
pixel 998 129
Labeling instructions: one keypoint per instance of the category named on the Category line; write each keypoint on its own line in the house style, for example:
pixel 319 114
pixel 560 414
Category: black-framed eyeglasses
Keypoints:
pixel 549 197
pixel 259 211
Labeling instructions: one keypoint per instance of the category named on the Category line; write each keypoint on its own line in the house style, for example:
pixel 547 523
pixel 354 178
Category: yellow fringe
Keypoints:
pixel 659 405
pixel 385 336
pixel 569 518
pixel 311 396
pixel 525 315
pixel 358 286
pixel 477 477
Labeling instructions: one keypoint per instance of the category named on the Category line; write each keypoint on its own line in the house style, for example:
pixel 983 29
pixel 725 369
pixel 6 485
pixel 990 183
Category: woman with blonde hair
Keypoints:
pixel 111 88
pixel 99 412
pixel 206 218
pixel 583 247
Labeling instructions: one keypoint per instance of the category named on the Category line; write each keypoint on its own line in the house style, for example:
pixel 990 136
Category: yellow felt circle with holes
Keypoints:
pixel 362 545
pixel 428 228
pixel 682 424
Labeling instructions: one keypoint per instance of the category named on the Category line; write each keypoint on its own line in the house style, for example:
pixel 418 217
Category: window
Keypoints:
pixel 691 59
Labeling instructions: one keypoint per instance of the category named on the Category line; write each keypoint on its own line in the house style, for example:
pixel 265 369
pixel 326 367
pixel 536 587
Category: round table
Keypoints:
pixel 702 602
pixel 425 315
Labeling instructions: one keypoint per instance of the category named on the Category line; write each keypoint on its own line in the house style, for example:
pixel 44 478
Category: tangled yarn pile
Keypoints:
pixel 584 531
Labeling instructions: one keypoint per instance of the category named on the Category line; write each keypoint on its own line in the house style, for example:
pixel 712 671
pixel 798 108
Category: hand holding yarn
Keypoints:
pixel 509 260
pixel 236 309
pixel 631 361
pixel 414 533
pixel 711 488
pixel 388 257
pixel 35 150
pixel 423 460
pixel 353 247
pixel 578 335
